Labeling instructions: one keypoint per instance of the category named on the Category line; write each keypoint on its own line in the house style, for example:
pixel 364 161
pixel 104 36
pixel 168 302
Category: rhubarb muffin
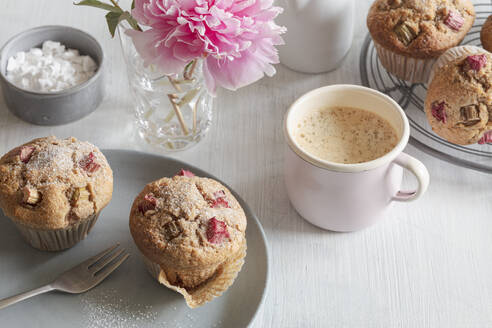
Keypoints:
pixel 54 189
pixel 486 34
pixel 459 99
pixel 191 233
pixel 409 35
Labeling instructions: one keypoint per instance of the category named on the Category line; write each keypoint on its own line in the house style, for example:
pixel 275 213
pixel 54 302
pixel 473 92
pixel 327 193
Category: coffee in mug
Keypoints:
pixel 345 135
pixel 346 170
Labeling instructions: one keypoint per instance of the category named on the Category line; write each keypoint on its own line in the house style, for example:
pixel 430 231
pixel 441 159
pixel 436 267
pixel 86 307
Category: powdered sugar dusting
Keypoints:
pixel 59 158
pixel 52 158
pixel 108 309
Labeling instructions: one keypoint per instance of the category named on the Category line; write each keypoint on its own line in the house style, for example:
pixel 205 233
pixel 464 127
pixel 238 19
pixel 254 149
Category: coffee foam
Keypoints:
pixel 345 135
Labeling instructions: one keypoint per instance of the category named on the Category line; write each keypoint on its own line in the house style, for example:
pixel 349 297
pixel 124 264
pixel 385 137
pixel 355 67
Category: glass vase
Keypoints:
pixel 173 112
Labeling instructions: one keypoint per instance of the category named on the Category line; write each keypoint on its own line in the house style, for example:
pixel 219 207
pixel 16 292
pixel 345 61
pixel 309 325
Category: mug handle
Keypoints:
pixel 419 170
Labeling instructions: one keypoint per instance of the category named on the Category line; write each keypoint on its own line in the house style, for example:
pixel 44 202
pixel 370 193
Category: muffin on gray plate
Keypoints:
pixel 191 233
pixel 53 190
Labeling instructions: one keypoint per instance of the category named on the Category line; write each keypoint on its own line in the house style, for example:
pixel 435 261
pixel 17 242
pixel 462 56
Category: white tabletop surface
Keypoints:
pixel 426 264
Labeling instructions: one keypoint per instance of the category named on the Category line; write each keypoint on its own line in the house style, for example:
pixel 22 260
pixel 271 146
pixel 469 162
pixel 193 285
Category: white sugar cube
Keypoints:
pixel 36 52
pixel 88 64
pixel 12 64
pixel 51 68
pixel 70 54
pixel 45 83
pixel 24 82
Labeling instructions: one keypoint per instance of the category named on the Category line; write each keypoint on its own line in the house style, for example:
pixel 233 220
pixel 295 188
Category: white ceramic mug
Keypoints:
pixel 348 197
pixel 319 33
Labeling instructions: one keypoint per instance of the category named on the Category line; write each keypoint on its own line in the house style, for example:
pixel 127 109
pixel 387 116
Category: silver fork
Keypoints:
pixel 80 278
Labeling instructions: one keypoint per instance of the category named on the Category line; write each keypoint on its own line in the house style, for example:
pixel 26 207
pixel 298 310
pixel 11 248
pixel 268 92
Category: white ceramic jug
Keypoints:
pixel 319 33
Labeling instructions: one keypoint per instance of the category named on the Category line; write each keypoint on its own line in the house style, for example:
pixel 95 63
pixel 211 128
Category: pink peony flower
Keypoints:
pixel 236 38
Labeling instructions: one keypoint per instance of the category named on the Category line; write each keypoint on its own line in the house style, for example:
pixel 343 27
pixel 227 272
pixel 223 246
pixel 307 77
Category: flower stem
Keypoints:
pixel 115 3
pixel 172 99
pixel 188 73
pixel 187 77
pixel 173 83
pixel 169 117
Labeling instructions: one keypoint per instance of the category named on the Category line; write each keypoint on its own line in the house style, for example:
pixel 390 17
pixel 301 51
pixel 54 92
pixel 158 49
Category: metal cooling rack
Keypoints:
pixel 411 98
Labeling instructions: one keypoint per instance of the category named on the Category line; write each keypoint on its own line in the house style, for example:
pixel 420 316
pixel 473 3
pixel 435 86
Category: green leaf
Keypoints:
pixel 129 18
pixel 99 4
pixel 113 19
pixel 133 4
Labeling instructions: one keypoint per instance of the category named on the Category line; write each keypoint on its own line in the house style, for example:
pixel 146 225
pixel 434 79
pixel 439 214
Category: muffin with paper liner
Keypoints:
pixel 458 104
pixel 409 35
pixel 54 189
pixel 191 233
pixel 486 34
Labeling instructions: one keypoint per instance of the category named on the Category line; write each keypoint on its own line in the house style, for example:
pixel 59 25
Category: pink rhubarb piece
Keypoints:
pixel 439 111
pixel 219 200
pixel 89 164
pixel 454 20
pixel 216 231
pixel 486 139
pixel 186 173
pixel 25 153
pixel 149 203
pixel 476 62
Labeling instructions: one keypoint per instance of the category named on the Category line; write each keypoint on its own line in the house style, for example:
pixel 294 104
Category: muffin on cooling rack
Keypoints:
pixel 486 34
pixel 459 99
pixel 53 190
pixel 191 232
pixel 409 35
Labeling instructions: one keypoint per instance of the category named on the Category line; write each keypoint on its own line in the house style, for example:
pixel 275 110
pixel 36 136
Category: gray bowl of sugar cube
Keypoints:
pixel 52 75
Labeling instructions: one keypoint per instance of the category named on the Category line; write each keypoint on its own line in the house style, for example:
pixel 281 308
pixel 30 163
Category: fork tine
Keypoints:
pixel 106 271
pixel 103 262
pixel 97 257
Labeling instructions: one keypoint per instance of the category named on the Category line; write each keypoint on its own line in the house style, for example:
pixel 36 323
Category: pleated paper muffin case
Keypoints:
pixel 57 239
pixel 414 70
pixel 217 283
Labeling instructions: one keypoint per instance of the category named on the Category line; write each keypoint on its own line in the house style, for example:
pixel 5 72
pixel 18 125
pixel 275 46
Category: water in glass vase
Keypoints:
pixel 173 112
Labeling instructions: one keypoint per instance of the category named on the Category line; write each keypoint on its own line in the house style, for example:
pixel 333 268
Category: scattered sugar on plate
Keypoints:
pixel 108 310
pixel 105 308
pixel 50 68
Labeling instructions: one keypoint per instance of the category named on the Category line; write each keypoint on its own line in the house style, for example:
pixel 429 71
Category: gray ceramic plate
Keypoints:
pixel 129 297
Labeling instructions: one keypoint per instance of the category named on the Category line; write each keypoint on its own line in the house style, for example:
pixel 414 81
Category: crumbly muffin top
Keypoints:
pixel 187 222
pixel 420 28
pixel 459 100
pixel 49 183
pixel 486 34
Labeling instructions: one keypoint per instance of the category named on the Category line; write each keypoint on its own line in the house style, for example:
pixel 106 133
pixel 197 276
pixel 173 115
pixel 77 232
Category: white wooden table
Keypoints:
pixel 427 264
